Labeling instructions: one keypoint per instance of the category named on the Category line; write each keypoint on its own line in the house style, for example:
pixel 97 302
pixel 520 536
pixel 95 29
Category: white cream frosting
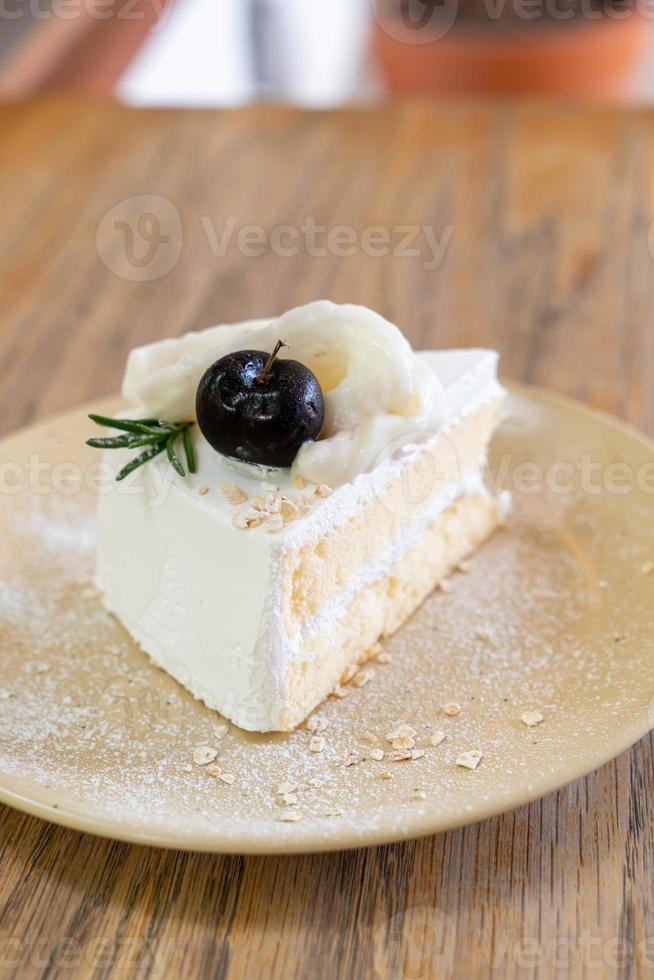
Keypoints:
pixel 377 390
pixel 202 596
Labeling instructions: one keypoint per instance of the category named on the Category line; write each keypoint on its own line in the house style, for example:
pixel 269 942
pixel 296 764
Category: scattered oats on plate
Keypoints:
pixel 531 718
pixel 204 754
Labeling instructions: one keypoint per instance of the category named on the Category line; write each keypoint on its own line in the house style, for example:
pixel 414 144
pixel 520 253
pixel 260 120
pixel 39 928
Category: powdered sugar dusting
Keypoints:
pixel 89 724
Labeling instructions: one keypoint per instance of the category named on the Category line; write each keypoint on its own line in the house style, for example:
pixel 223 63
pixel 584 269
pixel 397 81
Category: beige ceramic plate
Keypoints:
pixel 556 615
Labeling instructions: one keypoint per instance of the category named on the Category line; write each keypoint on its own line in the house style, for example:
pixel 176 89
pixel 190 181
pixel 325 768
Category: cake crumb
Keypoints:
pixel 315 782
pixel 402 737
pixel 383 658
pixel 451 709
pixel 384 774
pixel 400 731
pixel 402 756
pixel 348 673
pixel 483 635
pixel 246 519
pixel 287 787
pixel 227 777
pixel 289 511
pixel 418 794
pixel 322 490
pixel 316 744
pixel 469 760
pixel 362 678
pixel 315 723
pixel 647 568
pixel 213 770
pixel 233 494
pixel 377 754
pixel 369 737
pixel 269 504
pixel 437 739
pixel 290 799
pixel 204 754
pixel 273 522
pixel 203 491
pixel 531 718
pixel 298 482
pixel 339 692
pixel 220 731
pixel 404 742
pixel 417 753
pixel 290 816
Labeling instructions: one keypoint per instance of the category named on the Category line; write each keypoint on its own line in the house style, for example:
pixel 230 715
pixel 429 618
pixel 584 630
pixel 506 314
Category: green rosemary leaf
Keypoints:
pixel 149 426
pixel 127 441
pixel 173 459
pixel 144 457
pixel 188 449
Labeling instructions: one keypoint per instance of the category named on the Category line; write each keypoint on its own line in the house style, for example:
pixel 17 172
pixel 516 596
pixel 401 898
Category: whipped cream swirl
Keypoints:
pixel 378 392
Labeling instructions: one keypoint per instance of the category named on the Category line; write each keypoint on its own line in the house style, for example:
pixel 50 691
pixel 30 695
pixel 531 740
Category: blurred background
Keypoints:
pixel 234 52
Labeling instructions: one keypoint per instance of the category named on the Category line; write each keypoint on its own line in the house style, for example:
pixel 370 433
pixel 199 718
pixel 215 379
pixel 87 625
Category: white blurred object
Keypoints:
pixel 317 50
pixel 230 52
pixel 199 55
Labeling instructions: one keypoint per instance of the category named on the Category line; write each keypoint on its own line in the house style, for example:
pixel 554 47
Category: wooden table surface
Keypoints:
pixel 530 232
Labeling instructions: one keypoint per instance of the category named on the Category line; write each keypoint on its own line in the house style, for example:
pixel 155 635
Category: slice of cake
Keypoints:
pixel 347 483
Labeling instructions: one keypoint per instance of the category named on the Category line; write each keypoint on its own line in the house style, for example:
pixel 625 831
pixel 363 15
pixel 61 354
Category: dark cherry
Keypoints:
pixel 258 409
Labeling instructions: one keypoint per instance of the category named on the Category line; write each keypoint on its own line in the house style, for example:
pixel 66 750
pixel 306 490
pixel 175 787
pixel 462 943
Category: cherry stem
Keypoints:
pixel 263 377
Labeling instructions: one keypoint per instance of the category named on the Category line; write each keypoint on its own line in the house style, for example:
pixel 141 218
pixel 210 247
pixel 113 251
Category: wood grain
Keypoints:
pixel 548 260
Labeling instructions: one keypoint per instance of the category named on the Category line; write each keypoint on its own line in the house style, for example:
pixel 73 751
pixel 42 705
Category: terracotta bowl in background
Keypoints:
pixel 578 57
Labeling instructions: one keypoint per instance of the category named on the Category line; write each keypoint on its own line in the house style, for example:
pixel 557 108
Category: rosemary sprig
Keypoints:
pixel 157 435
